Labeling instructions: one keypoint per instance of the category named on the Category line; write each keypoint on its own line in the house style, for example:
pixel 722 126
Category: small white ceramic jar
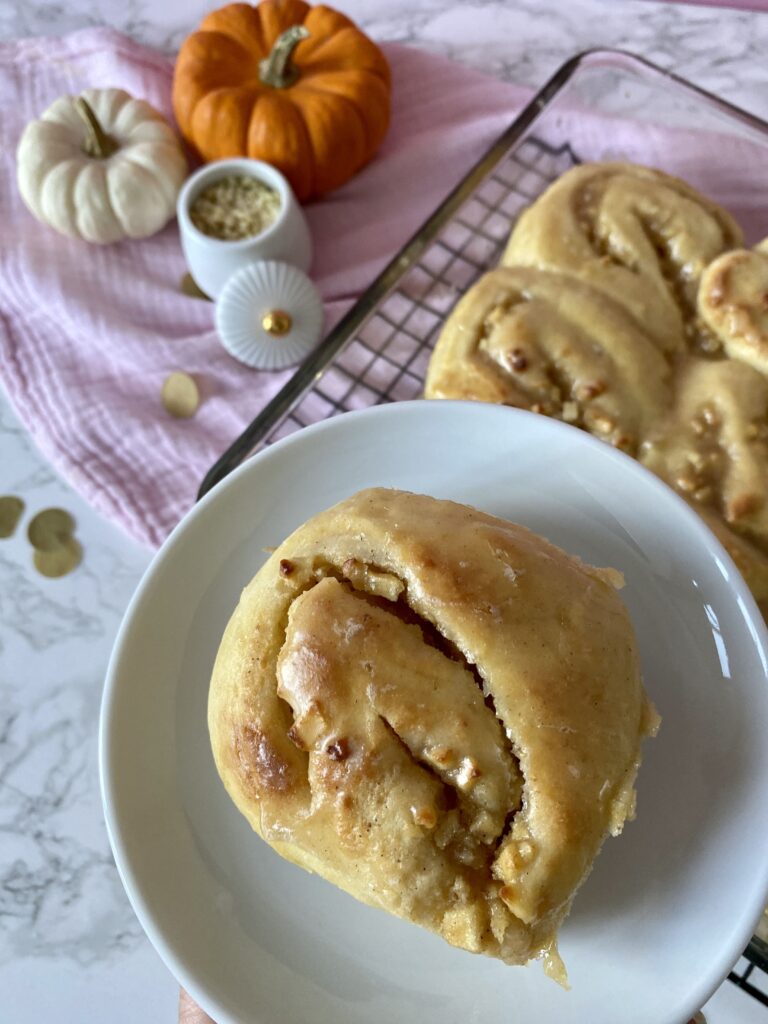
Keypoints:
pixel 212 261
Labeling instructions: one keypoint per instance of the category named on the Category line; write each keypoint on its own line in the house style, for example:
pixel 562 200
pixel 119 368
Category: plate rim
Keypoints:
pixel 163 945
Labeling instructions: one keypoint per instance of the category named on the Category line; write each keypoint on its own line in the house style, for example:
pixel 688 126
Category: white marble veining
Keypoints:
pixel 71 951
pixel 68 938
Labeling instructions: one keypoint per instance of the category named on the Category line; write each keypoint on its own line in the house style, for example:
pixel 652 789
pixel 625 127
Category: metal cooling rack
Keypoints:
pixel 386 360
pixel 751 972
pixel 380 350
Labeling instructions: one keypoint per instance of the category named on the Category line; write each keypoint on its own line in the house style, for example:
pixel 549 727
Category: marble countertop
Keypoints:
pixel 71 951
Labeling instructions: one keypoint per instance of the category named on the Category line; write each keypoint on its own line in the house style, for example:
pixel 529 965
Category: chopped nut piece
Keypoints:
pixel 518 360
pixel 710 416
pixel 743 505
pixel 441 756
pixel 521 853
pixel 507 894
pixel 686 482
pixel 708 343
pixel 468 773
pixel 757 432
pixel 372 581
pixel 295 737
pixel 591 389
pixel 338 750
pixel 603 423
pixel 424 816
pixel 570 412
pixel 704 495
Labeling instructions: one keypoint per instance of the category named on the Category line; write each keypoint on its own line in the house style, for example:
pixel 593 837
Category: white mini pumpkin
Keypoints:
pixel 102 166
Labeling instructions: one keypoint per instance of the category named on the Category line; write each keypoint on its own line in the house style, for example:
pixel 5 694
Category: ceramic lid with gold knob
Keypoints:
pixel 269 315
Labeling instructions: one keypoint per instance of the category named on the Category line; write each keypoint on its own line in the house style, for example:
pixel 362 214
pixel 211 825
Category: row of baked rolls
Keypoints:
pixel 543 342
pixel 626 318
pixel 436 710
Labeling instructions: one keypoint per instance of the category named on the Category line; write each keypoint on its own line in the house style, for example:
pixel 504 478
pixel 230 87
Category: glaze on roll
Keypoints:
pixel 436 710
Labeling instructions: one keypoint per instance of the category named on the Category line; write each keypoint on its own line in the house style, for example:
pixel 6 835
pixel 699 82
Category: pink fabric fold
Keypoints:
pixel 88 333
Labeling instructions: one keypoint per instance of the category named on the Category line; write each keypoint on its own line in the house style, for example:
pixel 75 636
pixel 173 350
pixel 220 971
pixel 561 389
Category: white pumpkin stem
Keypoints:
pixel 276 70
pixel 97 143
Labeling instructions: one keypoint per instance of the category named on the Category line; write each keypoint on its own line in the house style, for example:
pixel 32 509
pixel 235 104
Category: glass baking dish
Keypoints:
pixel 600 105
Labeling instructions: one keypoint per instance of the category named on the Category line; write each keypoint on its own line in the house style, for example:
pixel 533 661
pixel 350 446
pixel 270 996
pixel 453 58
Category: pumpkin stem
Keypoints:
pixel 276 70
pixel 97 143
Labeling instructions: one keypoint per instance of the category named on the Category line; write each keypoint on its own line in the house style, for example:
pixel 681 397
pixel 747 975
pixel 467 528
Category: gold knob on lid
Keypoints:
pixel 277 322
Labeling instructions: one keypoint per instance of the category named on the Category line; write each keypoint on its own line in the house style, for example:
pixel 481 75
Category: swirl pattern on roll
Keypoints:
pixel 546 342
pixel 639 236
pixel 627 311
pixel 436 710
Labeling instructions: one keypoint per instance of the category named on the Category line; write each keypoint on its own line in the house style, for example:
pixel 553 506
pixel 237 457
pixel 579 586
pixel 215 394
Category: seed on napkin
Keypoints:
pixel 180 395
pixel 11 508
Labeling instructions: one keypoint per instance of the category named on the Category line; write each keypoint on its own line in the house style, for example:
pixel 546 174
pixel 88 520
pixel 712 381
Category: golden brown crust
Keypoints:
pixel 638 235
pixel 435 709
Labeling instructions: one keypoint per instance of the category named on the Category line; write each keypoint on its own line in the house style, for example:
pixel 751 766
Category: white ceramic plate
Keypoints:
pixel 670 904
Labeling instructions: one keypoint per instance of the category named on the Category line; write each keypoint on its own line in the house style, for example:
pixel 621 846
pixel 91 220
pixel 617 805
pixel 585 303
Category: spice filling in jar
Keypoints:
pixel 235 207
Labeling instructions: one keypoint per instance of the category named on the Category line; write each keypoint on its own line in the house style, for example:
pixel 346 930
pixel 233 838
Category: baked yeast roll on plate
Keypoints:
pixel 436 710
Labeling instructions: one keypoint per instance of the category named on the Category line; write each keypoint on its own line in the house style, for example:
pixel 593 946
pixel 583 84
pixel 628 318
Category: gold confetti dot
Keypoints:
pixel 277 323
pixel 11 509
pixel 50 529
pixel 180 395
pixel 190 287
pixel 59 562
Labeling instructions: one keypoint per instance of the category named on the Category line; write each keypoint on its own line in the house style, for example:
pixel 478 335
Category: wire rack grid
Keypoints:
pixel 386 360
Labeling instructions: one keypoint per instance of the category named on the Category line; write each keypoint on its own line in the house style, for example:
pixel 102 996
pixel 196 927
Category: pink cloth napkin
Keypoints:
pixel 88 333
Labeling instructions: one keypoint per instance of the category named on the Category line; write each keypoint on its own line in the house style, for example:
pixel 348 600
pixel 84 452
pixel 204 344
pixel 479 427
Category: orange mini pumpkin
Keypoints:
pixel 297 86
